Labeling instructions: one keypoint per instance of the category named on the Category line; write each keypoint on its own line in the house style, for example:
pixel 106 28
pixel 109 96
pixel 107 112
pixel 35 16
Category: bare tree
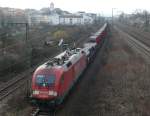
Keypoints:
pixel 3 30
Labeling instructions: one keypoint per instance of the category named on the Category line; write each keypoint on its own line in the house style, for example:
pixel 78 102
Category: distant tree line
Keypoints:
pixel 140 19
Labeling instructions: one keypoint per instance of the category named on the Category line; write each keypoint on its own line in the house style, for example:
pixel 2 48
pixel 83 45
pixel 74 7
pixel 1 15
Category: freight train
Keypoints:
pixel 52 81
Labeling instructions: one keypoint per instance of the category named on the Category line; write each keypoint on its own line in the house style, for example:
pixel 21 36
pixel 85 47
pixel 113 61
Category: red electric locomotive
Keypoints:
pixel 52 81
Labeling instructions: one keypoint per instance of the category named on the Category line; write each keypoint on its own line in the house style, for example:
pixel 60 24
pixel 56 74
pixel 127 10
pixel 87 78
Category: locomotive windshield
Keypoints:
pixel 43 80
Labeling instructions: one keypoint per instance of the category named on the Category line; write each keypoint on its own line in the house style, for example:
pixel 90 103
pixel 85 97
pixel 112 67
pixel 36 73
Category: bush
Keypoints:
pixel 60 34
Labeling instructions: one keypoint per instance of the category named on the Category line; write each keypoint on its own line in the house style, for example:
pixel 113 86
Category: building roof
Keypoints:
pixel 71 16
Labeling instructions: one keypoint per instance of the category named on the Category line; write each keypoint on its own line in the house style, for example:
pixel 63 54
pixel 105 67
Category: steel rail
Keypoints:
pixel 135 42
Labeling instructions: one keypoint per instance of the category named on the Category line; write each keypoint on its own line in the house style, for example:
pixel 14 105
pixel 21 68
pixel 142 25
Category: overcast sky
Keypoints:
pixel 96 6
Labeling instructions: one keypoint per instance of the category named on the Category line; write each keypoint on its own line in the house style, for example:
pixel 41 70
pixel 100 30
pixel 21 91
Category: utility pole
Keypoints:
pixel 27 32
pixel 146 20
pixel 27 29
pixel 113 16
pixel 26 38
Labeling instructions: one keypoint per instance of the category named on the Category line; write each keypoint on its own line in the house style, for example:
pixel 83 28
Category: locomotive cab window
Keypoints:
pixel 42 80
pixel 50 79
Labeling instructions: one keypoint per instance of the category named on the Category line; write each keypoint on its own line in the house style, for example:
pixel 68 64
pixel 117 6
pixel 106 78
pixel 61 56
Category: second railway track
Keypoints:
pixel 143 37
pixel 14 84
pixel 134 42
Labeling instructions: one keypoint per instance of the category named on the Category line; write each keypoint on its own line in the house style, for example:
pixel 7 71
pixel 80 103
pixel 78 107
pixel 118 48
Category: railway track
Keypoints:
pixel 134 42
pixel 38 112
pixel 14 84
pixel 141 36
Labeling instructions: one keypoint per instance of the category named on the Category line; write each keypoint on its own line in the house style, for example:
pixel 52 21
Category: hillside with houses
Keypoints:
pixel 50 15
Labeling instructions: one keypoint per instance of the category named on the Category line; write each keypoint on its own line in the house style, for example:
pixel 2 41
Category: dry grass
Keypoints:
pixel 128 89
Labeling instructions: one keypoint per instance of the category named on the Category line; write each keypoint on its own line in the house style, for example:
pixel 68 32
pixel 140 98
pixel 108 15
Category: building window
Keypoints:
pixel 71 21
pixel 79 21
pixel 63 20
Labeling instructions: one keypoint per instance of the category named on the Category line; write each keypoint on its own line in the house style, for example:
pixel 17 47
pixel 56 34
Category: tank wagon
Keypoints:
pixel 99 36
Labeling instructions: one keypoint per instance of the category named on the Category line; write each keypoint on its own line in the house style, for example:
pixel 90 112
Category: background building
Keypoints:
pixel 56 16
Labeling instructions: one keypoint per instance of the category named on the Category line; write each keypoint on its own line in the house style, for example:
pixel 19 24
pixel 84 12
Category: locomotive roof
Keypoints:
pixel 89 45
pixel 93 36
pixel 64 59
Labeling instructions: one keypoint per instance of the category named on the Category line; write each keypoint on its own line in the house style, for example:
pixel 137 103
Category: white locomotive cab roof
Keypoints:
pixel 60 55
pixel 71 56
pixel 89 44
pixel 93 36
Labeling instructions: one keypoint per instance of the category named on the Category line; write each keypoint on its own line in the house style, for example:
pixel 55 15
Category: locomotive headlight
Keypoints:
pixel 35 92
pixel 53 93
